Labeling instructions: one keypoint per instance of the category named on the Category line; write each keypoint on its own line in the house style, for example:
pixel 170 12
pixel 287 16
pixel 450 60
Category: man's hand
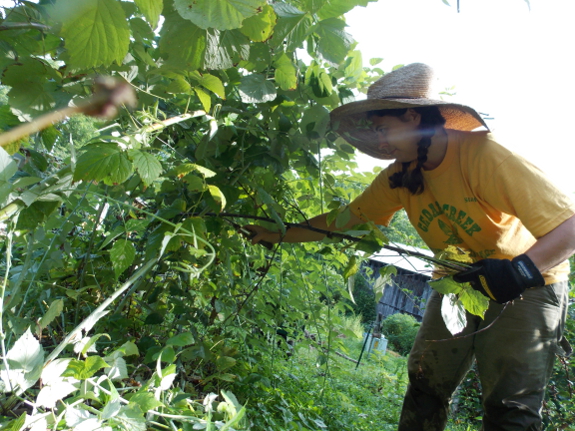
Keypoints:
pixel 501 279
pixel 260 235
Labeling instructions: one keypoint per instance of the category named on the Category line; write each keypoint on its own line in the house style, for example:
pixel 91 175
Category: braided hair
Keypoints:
pixel 412 179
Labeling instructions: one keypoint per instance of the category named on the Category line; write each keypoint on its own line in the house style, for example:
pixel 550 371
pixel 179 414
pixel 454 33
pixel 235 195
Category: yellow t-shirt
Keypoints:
pixel 482 198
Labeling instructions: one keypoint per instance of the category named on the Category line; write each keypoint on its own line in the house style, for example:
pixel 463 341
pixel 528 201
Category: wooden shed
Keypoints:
pixel 407 291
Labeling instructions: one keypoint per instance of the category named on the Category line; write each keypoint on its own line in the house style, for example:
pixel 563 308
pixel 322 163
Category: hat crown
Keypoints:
pixel 414 81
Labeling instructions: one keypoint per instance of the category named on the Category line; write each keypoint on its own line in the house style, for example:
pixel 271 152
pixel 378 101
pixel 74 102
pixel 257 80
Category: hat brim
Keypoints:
pixel 351 123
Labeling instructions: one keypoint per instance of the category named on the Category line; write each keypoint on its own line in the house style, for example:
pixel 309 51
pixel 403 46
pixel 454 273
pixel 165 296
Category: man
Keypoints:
pixel 460 187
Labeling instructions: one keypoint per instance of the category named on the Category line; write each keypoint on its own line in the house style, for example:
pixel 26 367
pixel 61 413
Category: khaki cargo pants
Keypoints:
pixel 515 359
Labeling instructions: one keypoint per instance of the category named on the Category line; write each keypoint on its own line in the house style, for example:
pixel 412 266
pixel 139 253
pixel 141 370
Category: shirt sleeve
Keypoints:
pixel 515 186
pixel 379 201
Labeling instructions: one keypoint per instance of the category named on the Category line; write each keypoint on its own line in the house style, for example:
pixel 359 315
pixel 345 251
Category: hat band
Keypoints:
pixel 400 97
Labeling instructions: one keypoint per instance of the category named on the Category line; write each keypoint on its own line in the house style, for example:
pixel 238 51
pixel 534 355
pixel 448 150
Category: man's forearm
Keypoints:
pixel 553 248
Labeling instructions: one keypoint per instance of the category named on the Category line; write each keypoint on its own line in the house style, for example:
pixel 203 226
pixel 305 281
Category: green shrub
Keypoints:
pixel 400 330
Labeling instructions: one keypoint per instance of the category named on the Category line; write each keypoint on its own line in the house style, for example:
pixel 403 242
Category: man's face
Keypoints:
pixel 398 136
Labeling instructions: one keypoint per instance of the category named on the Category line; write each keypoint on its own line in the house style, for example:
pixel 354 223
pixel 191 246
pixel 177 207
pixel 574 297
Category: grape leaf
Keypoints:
pixel 286 73
pixel 256 88
pixel 122 255
pixel 218 196
pixel 146 401
pixel 224 49
pixel 183 339
pixel 210 82
pixel 475 302
pixel 151 10
pixel 147 165
pixel 103 161
pixel 292 26
pixel 82 370
pixel 333 43
pixel 182 43
pixel 218 14
pixel 260 27
pixel 446 285
pixel 96 32
pixel 351 268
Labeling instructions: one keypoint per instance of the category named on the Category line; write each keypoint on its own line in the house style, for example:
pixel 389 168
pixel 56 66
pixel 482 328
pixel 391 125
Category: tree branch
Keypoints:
pixel 23 26
pixel 330 234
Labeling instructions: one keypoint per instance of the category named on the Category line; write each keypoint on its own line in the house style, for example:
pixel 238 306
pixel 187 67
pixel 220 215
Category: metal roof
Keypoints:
pixel 408 263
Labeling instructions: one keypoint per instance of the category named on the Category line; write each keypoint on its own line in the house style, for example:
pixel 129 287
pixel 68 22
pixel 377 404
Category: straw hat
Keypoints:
pixel 410 86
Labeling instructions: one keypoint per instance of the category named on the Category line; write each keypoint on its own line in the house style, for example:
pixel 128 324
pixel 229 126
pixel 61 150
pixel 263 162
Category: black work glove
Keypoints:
pixel 501 279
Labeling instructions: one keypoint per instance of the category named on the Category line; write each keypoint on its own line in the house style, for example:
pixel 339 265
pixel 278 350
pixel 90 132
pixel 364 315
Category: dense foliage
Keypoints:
pixel 138 219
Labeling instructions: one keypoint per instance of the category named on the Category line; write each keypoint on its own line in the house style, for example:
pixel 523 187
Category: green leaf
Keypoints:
pixel 122 255
pixel 96 32
pixel 38 160
pixel 343 218
pixel 151 10
pixel 182 43
pixel 179 86
pixel 218 196
pixel 333 42
pixel 147 166
pixel 336 8
pixel 225 49
pixel 146 401
pixel 354 67
pixel 225 362
pixel 205 99
pixel 130 417
pixel 285 73
pixel 129 349
pixel 207 173
pixel 16 424
pixel 49 137
pixel 256 88
pixel 260 27
pixel 473 301
pixel 8 167
pixel 212 83
pixel 55 309
pixel 29 91
pixel 331 216
pixel 446 285
pixel 351 268
pixel 82 370
pixel 183 339
pixel 142 30
pixel 292 26
pixel 35 214
pixel 259 59
pixel 7 118
pixel 218 14
pixel 103 161
pixel 195 183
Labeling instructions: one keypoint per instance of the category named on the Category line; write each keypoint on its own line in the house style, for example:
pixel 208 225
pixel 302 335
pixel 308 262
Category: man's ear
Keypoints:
pixel 412 116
